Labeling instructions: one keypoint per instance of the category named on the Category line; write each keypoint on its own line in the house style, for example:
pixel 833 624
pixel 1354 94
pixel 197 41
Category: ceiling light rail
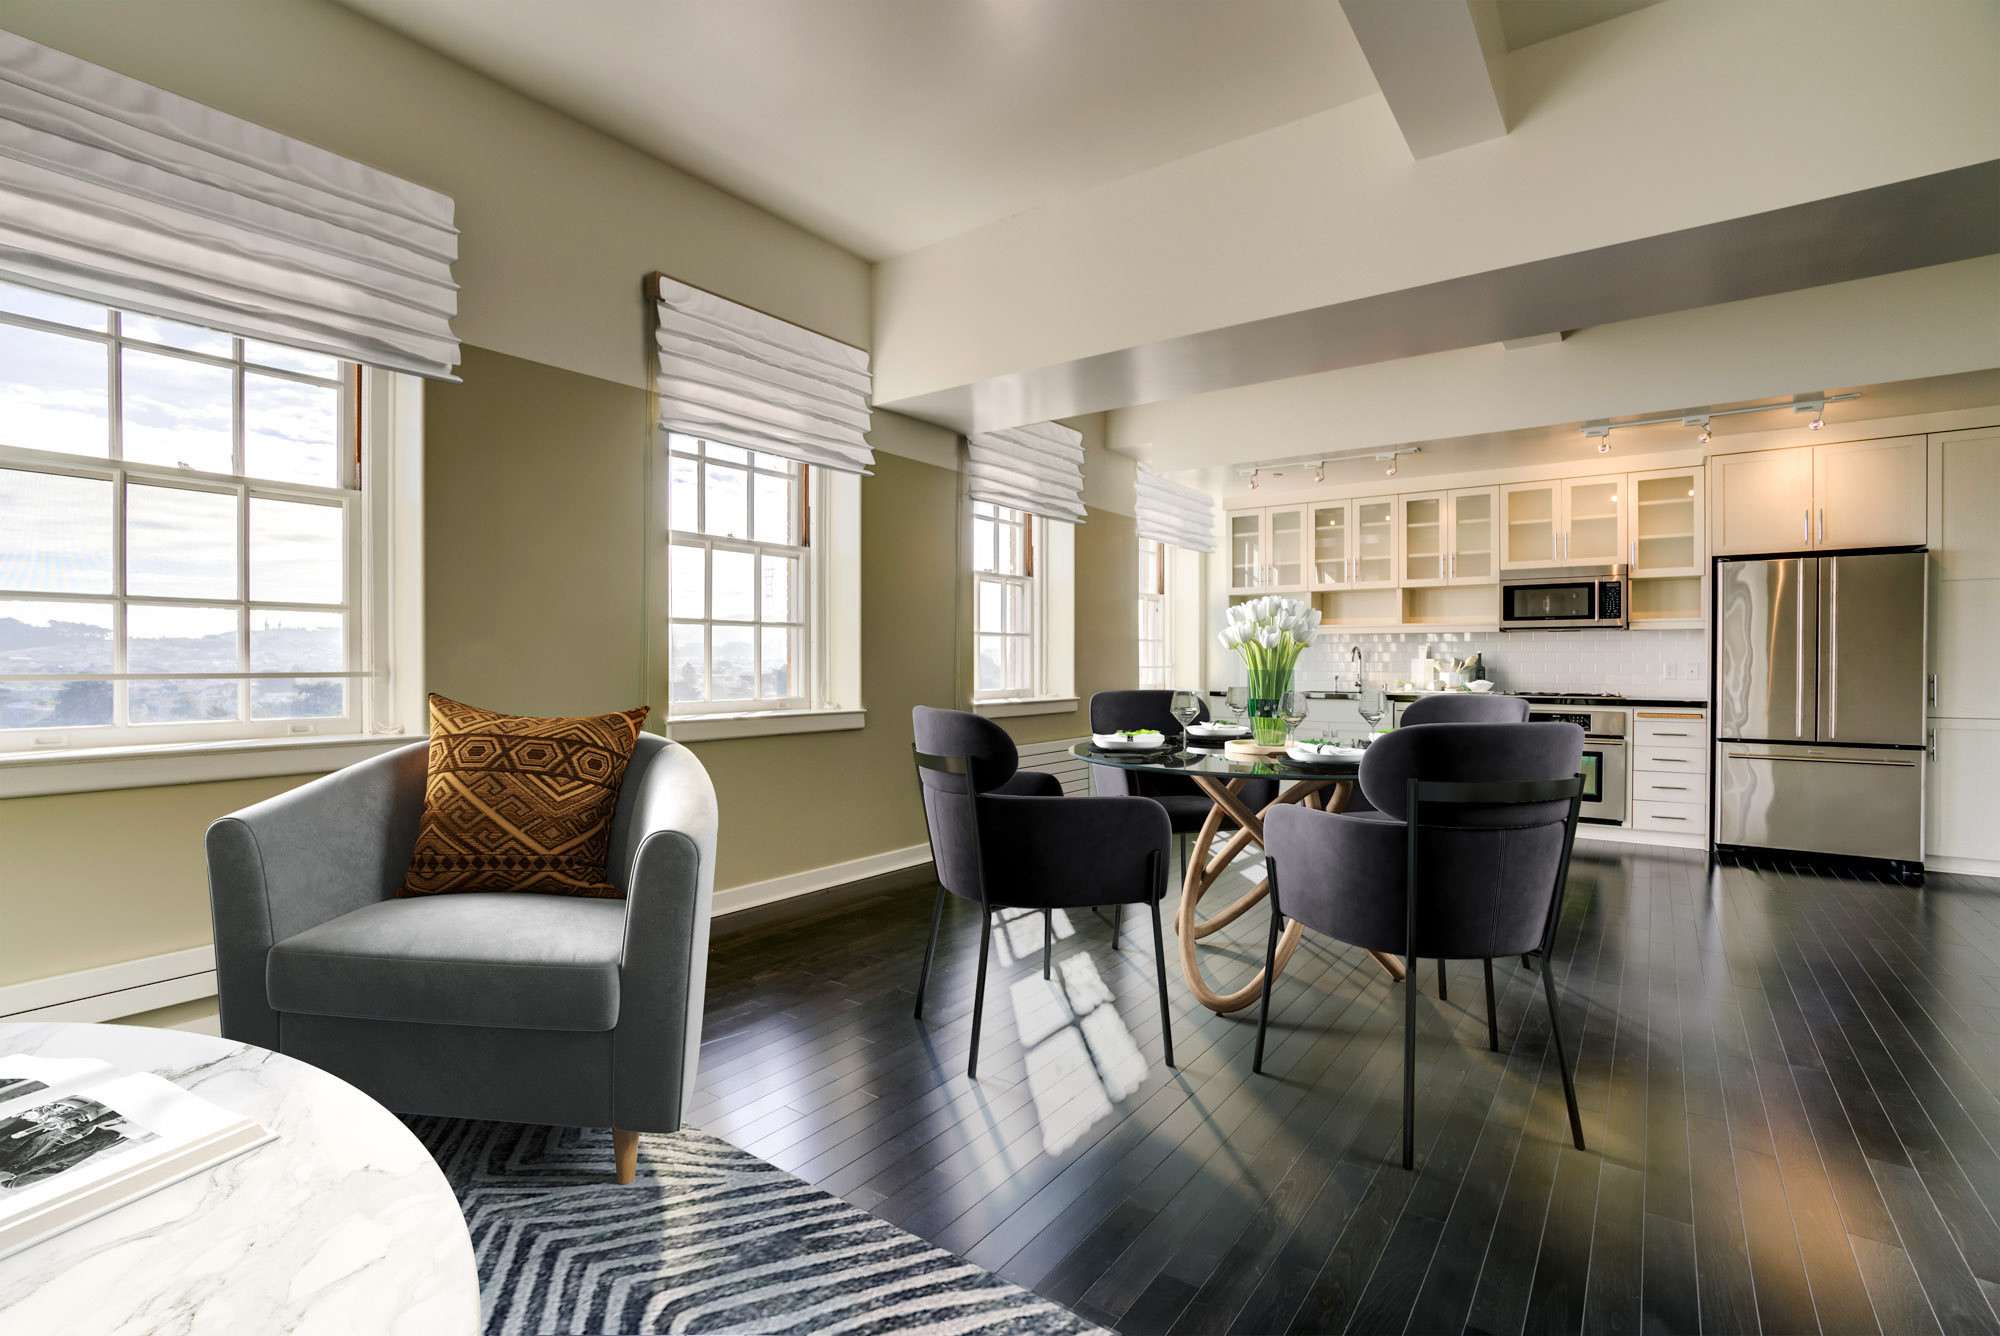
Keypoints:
pixel 1318 463
pixel 1601 430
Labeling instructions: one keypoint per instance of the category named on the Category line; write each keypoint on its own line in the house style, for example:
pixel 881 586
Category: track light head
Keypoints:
pixel 1319 473
pixel 1390 471
pixel 1819 420
pixel 1253 480
pixel 1604 444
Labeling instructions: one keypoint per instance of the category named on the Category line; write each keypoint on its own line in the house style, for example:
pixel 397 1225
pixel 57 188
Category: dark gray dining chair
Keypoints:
pixel 1464 858
pixel 1187 806
pixel 1464 707
pixel 1004 842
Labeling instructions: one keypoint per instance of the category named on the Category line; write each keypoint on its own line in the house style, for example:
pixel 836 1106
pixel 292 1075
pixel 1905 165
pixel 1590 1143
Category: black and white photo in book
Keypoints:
pixel 18 1087
pixel 42 1141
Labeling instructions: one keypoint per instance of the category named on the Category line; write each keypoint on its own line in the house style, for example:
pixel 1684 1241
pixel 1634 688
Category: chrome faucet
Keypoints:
pixel 1357 667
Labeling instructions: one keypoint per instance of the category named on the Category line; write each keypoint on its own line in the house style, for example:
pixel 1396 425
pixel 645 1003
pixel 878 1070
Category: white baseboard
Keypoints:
pixel 1971 867
pixel 1664 839
pixel 111 992
pixel 819 879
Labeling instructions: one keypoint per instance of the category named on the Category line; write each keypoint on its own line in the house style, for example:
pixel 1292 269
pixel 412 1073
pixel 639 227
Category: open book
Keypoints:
pixel 77 1139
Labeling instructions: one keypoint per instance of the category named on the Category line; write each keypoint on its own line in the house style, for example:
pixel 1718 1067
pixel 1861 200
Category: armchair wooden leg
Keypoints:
pixel 1562 1059
pixel 979 988
pixel 930 949
pixel 625 1151
pixel 1492 1016
pixel 1048 939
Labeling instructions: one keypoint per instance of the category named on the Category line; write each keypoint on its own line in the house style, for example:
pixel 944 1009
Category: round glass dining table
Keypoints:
pixel 1223 778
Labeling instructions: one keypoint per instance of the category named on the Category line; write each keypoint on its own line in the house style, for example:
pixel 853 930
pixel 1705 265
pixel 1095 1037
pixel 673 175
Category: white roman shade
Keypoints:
pixel 1170 513
pixel 732 374
pixel 1037 468
pixel 116 192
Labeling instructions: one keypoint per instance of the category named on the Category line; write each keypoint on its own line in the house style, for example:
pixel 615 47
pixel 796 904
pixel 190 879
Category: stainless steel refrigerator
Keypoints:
pixel 1819 718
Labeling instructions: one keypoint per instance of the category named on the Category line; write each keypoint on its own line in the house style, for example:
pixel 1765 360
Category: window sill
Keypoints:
pixel 89 770
pixel 1015 706
pixel 760 724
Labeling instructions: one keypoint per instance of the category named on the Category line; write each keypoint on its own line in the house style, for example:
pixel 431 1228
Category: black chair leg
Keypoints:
pixel 1443 985
pixel 979 989
pixel 930 949
pixel 1492 1016
pixel 1048 939
pixel 1117 927
pixel 1270 982
pixel 1562 1061
pixel 1410 1067
pixel 1160 967
pixel 1527 961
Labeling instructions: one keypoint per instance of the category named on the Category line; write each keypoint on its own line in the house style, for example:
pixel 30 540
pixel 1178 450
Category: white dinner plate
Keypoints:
pixel 1218 730
pixel 1113 742
pixel 1308 755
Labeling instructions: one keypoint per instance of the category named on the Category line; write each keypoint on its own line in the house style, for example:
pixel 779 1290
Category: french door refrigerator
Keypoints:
pixel 1820 704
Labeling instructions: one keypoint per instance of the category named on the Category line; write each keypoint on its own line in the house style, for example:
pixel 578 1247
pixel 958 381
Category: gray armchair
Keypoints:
pixel 513 1007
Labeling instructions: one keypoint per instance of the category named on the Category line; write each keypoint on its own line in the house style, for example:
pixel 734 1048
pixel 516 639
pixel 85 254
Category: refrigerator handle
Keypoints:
pixel 1833 650
pixel 1799 671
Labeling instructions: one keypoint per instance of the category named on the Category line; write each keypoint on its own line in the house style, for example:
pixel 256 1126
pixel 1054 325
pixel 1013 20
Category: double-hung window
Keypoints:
pixel 740 579
pixel 1155 611
pixel 1007 594
pixel 180 522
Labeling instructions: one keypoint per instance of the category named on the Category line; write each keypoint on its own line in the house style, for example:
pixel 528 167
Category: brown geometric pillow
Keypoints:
pixel 520 804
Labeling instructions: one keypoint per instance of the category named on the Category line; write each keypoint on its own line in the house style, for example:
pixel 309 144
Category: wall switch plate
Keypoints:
pixel 1667 672
pixel 1694 672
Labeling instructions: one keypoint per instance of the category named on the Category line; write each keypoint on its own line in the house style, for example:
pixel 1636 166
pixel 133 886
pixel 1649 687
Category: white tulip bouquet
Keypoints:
pixel 1269 634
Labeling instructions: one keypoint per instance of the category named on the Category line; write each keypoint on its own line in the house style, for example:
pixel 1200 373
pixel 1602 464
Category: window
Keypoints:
pixel 738 579
pixel 180 533
pixel 1007 597
pixel 1155 642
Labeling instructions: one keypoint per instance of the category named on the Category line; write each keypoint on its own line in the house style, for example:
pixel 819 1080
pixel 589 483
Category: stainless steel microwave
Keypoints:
pixel 1578 598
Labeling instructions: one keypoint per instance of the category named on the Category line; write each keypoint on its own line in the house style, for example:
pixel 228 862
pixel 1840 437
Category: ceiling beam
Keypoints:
pixel 1440 65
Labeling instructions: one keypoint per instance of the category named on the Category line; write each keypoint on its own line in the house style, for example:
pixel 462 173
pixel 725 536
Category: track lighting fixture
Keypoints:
pixel 1604 444
pixel 1600 430
pixel 1319 473
pixel 1819 420
pixel 1391 470
pixel 1253 480
pixel 1700 423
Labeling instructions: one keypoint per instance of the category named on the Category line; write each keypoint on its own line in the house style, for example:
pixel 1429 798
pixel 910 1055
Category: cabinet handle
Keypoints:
pixel 1933 691
pixel 1822 526
pixel 1670 760
pixel 1662 816
pixel 1805 516
pixel 1671 788
pixel 1932 747
pixel 1661 732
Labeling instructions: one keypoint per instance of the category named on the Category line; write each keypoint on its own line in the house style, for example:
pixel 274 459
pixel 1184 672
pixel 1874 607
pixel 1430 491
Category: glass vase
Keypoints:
pixel 1266 727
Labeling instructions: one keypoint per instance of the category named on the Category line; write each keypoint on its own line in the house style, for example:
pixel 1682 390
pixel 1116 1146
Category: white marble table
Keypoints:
pixel 342 1226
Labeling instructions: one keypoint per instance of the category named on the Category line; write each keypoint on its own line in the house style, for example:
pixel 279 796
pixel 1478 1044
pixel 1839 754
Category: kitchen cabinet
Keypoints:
pixel 1664 510
pixel 1422 530
pixel 1267 550
pixel 1842 494
pixel 1375 543
pixel 1563 522
pixel 1958 807
pixel 1965 572
pixel 1332 527
pixel 1473 538
pixel 1669 790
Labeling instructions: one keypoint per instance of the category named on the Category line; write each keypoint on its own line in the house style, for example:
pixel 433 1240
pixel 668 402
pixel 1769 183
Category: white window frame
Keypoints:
pixel 827 597
pixel 1051 601
pixel 1033 536
pixel 382 599
pixel 1160 603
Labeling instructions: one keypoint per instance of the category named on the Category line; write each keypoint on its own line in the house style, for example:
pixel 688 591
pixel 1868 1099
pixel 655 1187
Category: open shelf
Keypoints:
pixel 1671 598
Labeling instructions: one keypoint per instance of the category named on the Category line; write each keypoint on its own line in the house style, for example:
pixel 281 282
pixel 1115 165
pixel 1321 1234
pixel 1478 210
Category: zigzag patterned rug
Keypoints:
pixel 709 1238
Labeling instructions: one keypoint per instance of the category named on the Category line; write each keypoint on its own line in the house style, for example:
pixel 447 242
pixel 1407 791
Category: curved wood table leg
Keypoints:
pixel 1204 869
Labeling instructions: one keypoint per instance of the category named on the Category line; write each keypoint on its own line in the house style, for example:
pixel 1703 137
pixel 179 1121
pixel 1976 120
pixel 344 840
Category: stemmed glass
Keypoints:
pixel 1292 709
pixel 1237 700
pixel 1186 707
pixel 1371 706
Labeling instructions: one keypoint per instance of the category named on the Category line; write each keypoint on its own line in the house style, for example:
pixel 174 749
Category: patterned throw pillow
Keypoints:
pixel 520 804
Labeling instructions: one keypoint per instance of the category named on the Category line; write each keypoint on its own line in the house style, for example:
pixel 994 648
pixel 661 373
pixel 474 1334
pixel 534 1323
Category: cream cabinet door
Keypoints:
pixel 1421 528
pixel 1530 525
pixel 1246 552
pixel 1965 570
pixel 1332 527
pixel 1375 543
pixel 1593 521
pixel 1285 532
pixel 1664 523
pixel 1869 493
pixel 1958 809
pixel 1761 501
pixel 1473 536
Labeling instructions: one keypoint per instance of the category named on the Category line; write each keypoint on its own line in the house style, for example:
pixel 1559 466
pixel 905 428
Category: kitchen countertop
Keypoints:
pixel 1641 702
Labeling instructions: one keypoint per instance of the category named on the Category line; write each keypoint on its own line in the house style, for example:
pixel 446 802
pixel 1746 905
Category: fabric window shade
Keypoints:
pixel 1167 512
pixel 1037 468
pixel 118 193
pixel 732 374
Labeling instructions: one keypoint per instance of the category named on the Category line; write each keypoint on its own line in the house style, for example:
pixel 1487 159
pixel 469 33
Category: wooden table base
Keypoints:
pixel 1205 869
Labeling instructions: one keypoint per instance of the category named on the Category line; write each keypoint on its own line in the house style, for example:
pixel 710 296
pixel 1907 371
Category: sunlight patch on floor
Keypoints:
pixel 1080 1057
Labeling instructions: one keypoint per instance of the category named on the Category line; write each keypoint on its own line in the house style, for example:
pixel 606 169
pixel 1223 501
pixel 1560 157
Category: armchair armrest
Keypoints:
pixel 297 860
pixel 1074 852
pixel 663 854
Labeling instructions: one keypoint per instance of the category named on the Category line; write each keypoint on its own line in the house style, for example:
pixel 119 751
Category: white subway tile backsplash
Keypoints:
pixel 1628 663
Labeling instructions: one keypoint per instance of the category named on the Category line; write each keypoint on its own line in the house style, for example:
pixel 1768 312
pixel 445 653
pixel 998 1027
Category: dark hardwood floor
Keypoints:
pixel 1788 1084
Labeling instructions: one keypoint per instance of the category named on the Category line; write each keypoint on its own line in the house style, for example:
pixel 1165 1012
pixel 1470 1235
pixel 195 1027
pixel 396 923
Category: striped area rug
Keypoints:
pixel 709 1238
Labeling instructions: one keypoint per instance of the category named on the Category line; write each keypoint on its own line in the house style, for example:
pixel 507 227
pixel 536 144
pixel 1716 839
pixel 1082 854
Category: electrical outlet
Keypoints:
pixel 1667 672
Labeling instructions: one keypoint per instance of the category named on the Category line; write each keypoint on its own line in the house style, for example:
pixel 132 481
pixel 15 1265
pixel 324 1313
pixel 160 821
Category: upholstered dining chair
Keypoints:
pixel 1464 858
pixel 1464 707
pixel 1187 806
pixel 510 1006
pixel 1003 841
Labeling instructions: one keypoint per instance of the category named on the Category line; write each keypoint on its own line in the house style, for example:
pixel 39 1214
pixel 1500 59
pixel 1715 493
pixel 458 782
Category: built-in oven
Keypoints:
pixel 1569 599
pixel 1603 760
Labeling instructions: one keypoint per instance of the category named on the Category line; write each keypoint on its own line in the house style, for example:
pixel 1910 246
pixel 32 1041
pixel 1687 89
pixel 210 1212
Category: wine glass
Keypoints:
pixel 1371 706
pixel 1237 700
pixel 1292 708
pixel 1186 707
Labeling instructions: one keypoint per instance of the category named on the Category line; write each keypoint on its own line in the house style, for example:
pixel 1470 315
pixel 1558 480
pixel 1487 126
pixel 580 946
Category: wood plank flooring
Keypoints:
pixel 1790 1086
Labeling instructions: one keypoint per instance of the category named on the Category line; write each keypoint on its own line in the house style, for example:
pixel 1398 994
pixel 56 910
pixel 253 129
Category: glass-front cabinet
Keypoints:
pixel 1425 560
pixel 1332 537
pixel 1664 519
pixel 1531 524
pixel 1472 539
pixel 1246 550
pixel 1375 543
pixel 1267 550
pixel 1593 521
pixel 1285 540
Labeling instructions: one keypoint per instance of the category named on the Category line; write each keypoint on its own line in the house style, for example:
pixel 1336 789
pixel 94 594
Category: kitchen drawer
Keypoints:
pixel 1689 817
pixel 1660 787
pixel 1671 760
pixel 1669 731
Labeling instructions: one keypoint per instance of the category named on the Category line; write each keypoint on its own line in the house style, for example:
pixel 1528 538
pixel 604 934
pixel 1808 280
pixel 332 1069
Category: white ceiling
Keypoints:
pixel 885 125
